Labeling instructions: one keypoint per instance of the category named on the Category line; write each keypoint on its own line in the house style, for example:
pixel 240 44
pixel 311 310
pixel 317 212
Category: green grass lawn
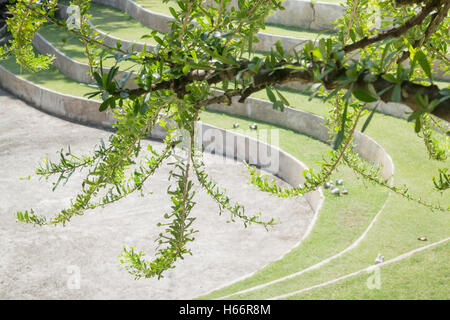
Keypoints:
pixel 296 32
pixel 71 46
pixel 52 79
pixel 395 232
pixel 118 23
pixel 158 5
pixel 423 276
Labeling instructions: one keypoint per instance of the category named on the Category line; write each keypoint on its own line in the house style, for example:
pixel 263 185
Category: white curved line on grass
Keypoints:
pixel 317 265
pixel 368 269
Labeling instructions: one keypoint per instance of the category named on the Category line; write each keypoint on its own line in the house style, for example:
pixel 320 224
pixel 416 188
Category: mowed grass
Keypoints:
pixel 396 231
pixel 158 5
pixel 71 46
pixel 414 278
pixel 51 79
pixel 341 219
pixel 119 24
pixel 295 32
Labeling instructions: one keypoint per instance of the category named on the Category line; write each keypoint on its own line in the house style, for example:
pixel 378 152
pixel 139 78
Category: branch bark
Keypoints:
pixel 395 32
pixel 284 75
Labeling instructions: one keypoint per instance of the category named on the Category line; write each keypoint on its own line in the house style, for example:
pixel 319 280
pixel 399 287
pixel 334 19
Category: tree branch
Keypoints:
pixel 281 76
pixel 395 32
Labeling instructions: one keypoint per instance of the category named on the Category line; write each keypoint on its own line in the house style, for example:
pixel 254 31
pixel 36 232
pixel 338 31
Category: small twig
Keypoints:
pixel 350 22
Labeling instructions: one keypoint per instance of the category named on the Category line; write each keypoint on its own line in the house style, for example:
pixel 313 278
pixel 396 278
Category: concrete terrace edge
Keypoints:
pixel 254 108
pixel 109 40
pixel 298 13
pixel 78 71
pixel 159 22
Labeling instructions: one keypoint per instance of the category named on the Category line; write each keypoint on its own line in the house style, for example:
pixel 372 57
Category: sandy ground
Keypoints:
pixel 47 262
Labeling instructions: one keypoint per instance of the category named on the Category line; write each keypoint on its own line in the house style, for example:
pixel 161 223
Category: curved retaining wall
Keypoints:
pixel 66 106
pixel 308 15
pixel 258 109
pixel 297 13
pixel 318 16
pixel 86 111
pixel 108 39
pixel 73 69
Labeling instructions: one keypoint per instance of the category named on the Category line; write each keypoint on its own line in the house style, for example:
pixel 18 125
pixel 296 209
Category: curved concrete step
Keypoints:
pixel 159 22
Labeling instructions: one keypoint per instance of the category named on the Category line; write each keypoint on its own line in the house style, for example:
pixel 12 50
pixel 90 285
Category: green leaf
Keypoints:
pixel 111 74
pixel 98 79
pixel 143 108
pixel 194 56
pixel 278 105
pixel 159 40
pixel 390 77
pixel 90 95
pixel 417 125
pixel 104 106
pixel 270 94
pixel 282 98
pixel 340 135
pixel 364 96
pixel 423 61
pixel 397 93
pixel 186 69
pixel 415 115
pixel 279 47
pixel 316 53
pixel 369 118
pixel 173 12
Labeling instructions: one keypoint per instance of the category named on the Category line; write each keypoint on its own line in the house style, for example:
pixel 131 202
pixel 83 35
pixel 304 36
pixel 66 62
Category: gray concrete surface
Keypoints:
pixel 305 14
pixel 34 262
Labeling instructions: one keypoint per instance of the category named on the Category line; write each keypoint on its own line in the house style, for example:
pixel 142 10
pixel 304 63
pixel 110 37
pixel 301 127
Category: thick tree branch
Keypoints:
pixel 395 32
pixel 284 75
pixel 408 89
pixel 436 20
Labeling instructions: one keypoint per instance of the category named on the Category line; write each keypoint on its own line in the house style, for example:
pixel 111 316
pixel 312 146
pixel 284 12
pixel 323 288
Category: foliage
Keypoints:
pixel 378 52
